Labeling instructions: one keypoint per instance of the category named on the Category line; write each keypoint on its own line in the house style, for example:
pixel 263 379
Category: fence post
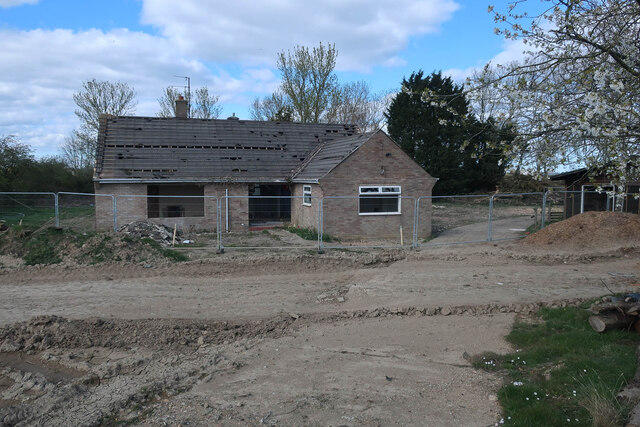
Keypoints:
pixel 544 205
pixel 490 236
pixel 57 209
pixel 219 224
pixel 320 224
pixel 114 202
pixel 416 216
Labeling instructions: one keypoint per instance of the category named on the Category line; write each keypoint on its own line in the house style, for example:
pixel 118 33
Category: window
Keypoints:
pixel 306 195
pixel 163 202
pixel 379 200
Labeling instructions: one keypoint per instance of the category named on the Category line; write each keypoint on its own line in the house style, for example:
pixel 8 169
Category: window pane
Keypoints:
pixel 369 190
pixel 379 204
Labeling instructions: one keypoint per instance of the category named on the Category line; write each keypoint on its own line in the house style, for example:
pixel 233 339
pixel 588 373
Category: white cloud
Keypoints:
pixel 512 51
pixel 5 4
pixel 42 69
pixel 366 32
pixel 228 46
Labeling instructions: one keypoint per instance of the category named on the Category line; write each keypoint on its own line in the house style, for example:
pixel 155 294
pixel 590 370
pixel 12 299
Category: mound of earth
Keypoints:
pixel 590 230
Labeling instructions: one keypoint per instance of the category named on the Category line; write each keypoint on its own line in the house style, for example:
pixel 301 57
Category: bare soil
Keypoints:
pixel 286 337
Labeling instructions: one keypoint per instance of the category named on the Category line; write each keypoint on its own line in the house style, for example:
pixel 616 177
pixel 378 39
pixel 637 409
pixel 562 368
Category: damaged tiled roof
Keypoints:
pixel 156 148
pixel 329 155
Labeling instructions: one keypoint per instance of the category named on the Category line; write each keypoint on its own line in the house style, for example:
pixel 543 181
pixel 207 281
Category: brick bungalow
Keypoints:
pixel 365 178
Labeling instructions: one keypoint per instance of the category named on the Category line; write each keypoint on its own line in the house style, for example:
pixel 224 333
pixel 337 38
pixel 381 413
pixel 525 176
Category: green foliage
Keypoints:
pixel 14 158
pixel 519 183
pixel 43 247
pixel 309 234
pixel 430 120
pixel 174 255
pixel 19 171
pixel 556 356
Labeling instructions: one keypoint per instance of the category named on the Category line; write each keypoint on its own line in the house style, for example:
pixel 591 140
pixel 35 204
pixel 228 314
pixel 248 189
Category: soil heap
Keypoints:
pixel 590 230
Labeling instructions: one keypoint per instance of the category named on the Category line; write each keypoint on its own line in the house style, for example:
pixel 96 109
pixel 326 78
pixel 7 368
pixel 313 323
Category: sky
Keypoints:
pixel 48 48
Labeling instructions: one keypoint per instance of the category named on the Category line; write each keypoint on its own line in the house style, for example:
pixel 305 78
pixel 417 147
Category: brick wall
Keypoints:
pixel 132 209
pixel 305 216
pixel 378 162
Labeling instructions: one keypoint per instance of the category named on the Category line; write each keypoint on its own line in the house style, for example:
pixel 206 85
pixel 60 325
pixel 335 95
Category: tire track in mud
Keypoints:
pixel 145 361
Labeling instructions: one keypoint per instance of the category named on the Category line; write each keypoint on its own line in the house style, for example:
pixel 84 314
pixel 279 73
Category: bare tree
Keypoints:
pixel 206 106
pixel 203 105
pixel 308 80
pixel 97 98
pixel 354 103
pixel 78 151
pixel 275 107
pixel 103 97
pixel 168 102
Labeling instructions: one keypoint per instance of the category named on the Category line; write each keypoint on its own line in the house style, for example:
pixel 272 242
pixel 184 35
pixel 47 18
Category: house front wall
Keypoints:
pixel 378 162
pixel 132 205
pixel 302 215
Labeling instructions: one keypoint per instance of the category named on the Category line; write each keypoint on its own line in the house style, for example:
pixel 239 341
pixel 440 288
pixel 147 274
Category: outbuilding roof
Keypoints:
pixel 176 149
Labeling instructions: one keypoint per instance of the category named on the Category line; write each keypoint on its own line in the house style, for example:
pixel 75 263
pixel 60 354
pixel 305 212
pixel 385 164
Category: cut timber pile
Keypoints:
pixel 616 314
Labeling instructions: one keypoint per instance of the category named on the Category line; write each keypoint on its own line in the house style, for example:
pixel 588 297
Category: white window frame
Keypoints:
pixel 306 193
pixel 384 190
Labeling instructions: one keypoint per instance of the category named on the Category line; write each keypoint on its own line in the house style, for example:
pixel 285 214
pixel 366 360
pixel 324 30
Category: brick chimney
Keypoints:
pixel 182 108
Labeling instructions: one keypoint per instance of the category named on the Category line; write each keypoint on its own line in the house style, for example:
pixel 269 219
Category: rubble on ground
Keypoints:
pixel 146 229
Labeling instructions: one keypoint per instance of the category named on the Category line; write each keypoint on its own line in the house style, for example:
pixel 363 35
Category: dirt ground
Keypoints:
pixel 346 338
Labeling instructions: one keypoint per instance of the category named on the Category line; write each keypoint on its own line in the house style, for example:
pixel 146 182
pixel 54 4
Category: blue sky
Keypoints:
pixel 49 47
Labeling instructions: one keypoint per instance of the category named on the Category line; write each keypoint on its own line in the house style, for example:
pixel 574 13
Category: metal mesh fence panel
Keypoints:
pixel 515 214
pixel 448 220
pixel 83 212
pixel 28 209
pixel 185 213
pixel 373 221
pixel 275 222
pixel 565 204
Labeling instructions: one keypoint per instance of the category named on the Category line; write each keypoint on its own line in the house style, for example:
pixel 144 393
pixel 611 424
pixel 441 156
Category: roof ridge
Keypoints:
pixel 310 157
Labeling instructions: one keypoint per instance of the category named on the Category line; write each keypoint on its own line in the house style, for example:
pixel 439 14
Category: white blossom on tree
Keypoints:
pixel 576 96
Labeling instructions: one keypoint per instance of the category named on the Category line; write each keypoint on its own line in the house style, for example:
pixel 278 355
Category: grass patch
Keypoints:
pixel 563 370
pixel 171 254
pixel 309 234
pixel 102 252
pixel 42 247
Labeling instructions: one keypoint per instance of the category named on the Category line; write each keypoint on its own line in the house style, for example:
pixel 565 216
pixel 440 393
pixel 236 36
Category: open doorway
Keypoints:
pixel 272 209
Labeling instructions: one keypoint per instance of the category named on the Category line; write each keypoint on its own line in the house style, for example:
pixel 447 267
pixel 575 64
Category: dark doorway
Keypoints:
pixel 274 208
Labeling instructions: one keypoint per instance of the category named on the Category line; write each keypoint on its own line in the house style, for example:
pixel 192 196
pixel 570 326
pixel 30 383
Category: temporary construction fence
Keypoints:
pixel 29 208
pixel 321 223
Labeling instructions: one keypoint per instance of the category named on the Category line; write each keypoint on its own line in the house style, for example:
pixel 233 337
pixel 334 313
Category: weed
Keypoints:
pixel 167 253
pixel 309 234
pixel 42 247
pixel 601 402
pixel 174 255
pixel 562 370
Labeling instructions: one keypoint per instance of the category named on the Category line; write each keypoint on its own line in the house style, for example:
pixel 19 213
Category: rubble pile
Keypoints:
pixel 145 229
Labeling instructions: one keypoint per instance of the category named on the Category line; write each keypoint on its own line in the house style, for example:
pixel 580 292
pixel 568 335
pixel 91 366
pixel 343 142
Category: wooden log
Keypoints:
pixel 634 309
pixel 611 306
pixel 613 320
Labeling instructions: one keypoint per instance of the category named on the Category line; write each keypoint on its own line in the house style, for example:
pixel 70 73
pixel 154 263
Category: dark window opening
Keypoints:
pixel 274 207
pixel 172 201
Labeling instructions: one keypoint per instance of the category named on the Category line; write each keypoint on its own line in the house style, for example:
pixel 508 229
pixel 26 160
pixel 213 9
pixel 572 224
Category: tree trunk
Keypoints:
pixel 608 321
